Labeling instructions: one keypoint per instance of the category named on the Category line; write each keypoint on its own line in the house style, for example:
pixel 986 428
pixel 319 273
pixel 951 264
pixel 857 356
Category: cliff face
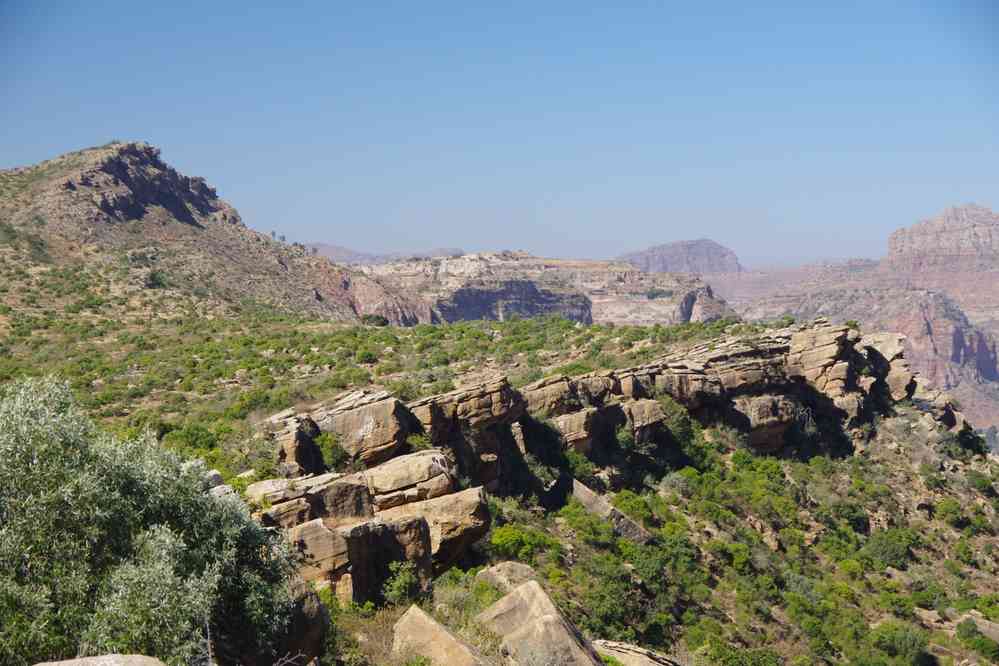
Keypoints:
pixel 498 285
pixel 121 202
pixel 694 256
pixel 963 238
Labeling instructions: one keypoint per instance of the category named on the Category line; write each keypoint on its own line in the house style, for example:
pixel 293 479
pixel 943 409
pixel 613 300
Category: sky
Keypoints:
pixel 786 131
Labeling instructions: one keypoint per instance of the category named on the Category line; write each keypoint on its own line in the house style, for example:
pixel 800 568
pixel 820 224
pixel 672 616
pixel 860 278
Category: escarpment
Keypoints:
pixel 423 470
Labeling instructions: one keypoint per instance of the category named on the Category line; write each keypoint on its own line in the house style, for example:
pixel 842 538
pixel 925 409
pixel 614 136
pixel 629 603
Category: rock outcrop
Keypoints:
pixel 693 256
pixel 349 527
pixel 533 630
pixel 962 238
pixel 505 576
pixel 632 655
pixel 418 634
pixel 498 285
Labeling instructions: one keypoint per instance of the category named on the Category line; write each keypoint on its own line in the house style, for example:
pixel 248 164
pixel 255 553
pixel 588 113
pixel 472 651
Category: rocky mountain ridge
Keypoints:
pixel 702 256
pixel 344 255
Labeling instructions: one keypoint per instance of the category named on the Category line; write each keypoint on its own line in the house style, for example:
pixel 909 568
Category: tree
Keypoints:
pixel 113 546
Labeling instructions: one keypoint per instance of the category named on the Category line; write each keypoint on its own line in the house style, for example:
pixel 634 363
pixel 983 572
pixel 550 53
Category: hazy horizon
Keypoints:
pixel 789 134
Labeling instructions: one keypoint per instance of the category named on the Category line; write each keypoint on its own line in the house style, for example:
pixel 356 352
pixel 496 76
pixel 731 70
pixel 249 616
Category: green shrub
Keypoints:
pixel 973 639
pixel 127 553
pixel 402 585
pixel 890 548
pixel 521 543
pixel 374 320
pixel 334 455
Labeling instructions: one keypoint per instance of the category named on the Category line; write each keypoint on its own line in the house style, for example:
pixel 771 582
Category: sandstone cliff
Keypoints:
pixel 693 256
pixel 504 284
pixel 962 238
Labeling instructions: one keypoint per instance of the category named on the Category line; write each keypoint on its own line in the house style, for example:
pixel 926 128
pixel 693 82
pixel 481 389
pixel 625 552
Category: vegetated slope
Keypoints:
pixel 937 285
pixel 500 285
pixel 121 210
pixel 789 496
pixel 693 256
pixel 344 255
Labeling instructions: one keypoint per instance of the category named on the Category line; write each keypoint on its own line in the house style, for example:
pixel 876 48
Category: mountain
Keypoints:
pixel 499 285
pixel 121 207
pixel 344 255
pixel 693 256
pixel 938 284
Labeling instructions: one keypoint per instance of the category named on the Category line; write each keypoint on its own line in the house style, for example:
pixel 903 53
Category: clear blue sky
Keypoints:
pixel 784 131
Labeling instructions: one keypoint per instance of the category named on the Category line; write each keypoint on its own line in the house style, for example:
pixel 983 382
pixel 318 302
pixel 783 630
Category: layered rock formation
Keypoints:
pixel 939 285
pixel 505 284
pixel 349 527
pixel 694 256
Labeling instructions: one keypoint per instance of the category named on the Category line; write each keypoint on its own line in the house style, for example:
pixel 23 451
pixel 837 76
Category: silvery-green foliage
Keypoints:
pixel 80 514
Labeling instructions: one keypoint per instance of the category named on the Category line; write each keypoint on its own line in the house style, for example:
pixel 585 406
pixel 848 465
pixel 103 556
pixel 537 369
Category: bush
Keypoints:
pixel 374 320
pixel 127 553
pixel 973 639
pixel 402 585
pixel 890 548
pixel 522 543
pixel 334 455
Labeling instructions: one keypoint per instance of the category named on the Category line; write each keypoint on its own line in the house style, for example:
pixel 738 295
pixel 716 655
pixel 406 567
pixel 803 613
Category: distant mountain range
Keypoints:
pixel 344 255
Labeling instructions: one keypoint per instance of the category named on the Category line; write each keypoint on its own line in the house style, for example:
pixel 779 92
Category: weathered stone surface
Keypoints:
pixel 645 418
pixel 532 628
pixel 506 576
pixel 341 501
pixel 418 634
pixel 551 396
pixel 323 550
pixel 769 418
pixel 578 429
pixel 373 545
pixel 370 426
pixel 287 514
pixel 692 256
pixel 107 660
pixel 622 524
pixel 474 407
pixel 297 452
pixel 632 655
pixel 456 521
pixel 409 478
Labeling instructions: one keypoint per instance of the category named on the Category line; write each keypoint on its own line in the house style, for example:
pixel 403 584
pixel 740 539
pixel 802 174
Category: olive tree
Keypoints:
pixel 113 546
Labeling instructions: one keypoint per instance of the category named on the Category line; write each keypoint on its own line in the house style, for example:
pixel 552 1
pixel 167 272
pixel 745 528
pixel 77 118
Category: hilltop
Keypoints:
pixel 700 256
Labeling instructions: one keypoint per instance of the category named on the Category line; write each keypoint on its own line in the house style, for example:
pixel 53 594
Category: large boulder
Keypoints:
pixel 473 408
pixel 418 634
pixel 533 630
pixel 551 396
pixel 505 576
pixel 370 426
pixel 323 550
pixel 579 428
pixel 645 418
pixel 769 416
pixel 107 660
pixel 373 546
pixel 409 478
pixel 342 501
pixel 456 521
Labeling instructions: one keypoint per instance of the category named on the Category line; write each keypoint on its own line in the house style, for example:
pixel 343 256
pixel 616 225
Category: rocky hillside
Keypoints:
pixel 625 555
pixel 501 285
pixel 120 207
pixel 695 256
pixel 937 285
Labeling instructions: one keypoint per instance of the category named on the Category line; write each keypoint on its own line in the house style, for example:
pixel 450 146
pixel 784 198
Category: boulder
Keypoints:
pixel 578 429
pixel 418 634
pixel 306 634
pixel 596 388
pixel 409 478
pixel 370 426
pixel 623 526
pixel 645 418
pixel 769 417
pixel 286 514
pixel 456 521
pixel 298 452
pixel 107 660
pixel 505 576
pixel 533 630
pixel 372 546
pixel 551 396
pixel 474 408
pixel 323 550
pixel 632 655
pixel 342 501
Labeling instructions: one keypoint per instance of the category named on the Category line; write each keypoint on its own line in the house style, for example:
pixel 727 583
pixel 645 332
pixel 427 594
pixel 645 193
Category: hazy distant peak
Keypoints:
pixel 701 255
